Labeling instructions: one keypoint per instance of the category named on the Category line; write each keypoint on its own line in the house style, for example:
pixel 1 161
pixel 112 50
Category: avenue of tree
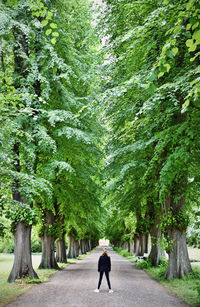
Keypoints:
pixel 99 141
pixel 152 106
pixel 50 145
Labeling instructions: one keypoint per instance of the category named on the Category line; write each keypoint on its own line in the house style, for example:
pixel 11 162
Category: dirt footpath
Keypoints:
pixel 74 287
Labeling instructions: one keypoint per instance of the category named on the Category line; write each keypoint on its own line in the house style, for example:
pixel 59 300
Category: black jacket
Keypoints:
pixel 104 264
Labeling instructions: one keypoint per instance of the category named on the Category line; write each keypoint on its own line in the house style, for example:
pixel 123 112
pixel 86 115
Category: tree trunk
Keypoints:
pixel 22 266
pixel 48 260
pixel 156 252
pixel 48 255
pixel 137 246
pixel 71 253
pixel 179 263
pixel 82 246
pixel 61 255
pixel 143 243
pixel 131 247
pixel 87 245
pixel 77 248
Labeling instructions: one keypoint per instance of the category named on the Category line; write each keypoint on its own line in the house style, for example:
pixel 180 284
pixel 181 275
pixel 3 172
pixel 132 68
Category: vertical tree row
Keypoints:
pixel 152 112
pixel 49 136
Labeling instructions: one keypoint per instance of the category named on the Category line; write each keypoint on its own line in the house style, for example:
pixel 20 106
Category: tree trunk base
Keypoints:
pixel 179 263
pixel 48 256
pixel 22 266
pixel 61 255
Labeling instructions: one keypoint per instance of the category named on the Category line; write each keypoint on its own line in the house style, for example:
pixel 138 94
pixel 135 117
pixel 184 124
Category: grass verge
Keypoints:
pixel 188 288
pixel 10 291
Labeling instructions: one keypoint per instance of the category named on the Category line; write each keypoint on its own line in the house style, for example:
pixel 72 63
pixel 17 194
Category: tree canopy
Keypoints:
pixel 99 118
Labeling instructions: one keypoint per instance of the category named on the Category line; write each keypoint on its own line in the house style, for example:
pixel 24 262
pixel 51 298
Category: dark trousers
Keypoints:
pixel 107 277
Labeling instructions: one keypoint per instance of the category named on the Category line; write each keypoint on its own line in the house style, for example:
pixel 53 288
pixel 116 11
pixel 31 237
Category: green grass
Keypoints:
pixel 185 288
pixel 9 291
pixel 188 288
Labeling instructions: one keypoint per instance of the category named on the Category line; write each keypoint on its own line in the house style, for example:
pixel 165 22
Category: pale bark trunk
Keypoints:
pixel 131 248
pixel 137 246
pixel 77 248
pixel 87 245
pixel 71 253
pixel 48 255
pixel 125 245
pixel 143 243
pixel 22 266
pixel 156 252
pixel 48 260
pixel 82 246
pixel 179 263
pixel 61 255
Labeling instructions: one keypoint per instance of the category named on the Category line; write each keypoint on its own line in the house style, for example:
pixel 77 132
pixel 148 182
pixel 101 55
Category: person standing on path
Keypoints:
pixel 104 266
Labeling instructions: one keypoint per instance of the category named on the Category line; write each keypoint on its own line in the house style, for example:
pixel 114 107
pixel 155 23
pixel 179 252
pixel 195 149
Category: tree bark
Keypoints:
pixel 137 246
pixel 61 255
pixel 82 247
pixel 71 253
pixel 156 252
pixel 48 260
pixel 22 266
pixel 77 248
pixel 143 243
pixel 179 263
pixel 131 247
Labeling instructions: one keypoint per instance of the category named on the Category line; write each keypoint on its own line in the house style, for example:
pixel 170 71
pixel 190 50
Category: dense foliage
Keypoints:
pixel 152 109
pixel 63 109
pixel 50 147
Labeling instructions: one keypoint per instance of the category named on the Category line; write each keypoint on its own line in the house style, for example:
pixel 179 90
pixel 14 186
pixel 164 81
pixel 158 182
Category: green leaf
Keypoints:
pixel 165 2
pixel 196 35
pixel 53 25
pixel 48 31
pixel 177 29
pixel 152 76
pixel 152 88
pixel 186 104
pixel 168 67
pixel 56 34
pixel 192 59
pixel 170 54
pixel 49 15
pixel 193 48
pixel 44 22
pixel 37 14
pixel 188 26
pixel 195 25
pixel 160 74
pixel 163 68
pixel 53 41
pixel 175 50
pixel 189 42
pixel 193 20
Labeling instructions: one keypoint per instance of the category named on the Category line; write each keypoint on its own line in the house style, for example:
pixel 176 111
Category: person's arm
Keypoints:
pixel 99 264
pixel 109 263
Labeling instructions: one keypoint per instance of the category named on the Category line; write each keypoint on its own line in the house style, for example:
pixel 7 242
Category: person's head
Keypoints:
pixel 105 252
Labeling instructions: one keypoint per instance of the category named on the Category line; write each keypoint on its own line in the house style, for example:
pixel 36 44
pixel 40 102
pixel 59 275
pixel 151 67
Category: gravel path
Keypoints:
pixel 74 286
